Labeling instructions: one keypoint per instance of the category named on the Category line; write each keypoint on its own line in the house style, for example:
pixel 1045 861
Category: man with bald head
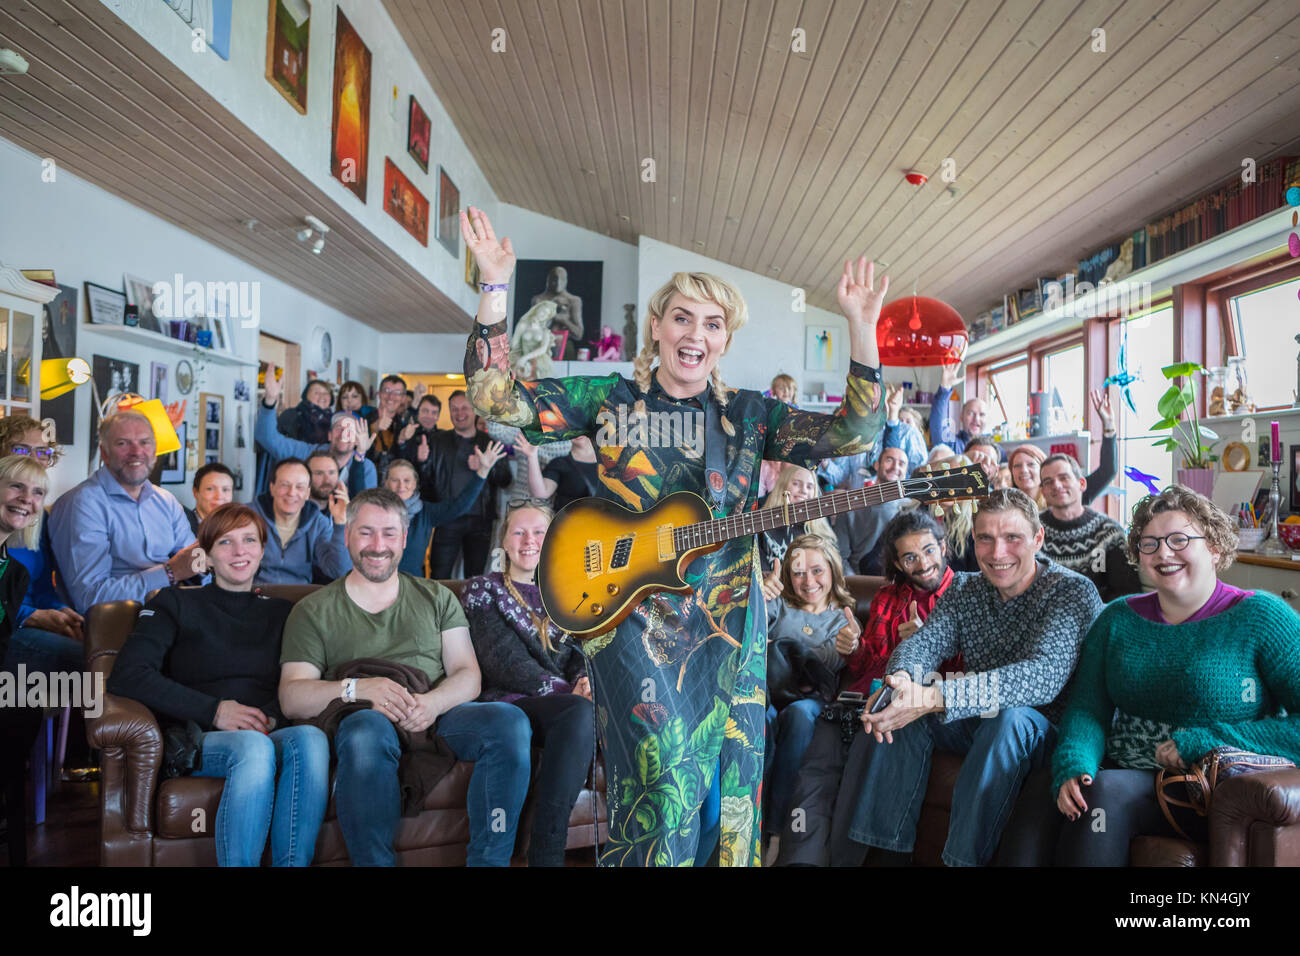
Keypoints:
pixel 116 536
pixel 973 414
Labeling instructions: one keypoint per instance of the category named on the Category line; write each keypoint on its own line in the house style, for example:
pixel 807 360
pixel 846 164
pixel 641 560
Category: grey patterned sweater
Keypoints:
pixel 1094 545
pixel 1017 653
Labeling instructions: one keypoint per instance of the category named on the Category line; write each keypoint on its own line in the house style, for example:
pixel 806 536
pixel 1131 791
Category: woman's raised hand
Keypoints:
pixel 496 260
pixel 860 298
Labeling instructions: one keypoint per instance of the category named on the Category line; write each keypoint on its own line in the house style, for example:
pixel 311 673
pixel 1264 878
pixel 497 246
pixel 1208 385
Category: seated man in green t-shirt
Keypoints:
pixel 375 611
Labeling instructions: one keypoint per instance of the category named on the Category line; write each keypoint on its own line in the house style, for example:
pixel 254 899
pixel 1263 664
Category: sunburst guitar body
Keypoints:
pixel 613 558
pixel 600 560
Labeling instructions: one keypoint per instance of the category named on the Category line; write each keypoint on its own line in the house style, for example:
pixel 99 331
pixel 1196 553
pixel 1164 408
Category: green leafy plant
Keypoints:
pixel 1186 436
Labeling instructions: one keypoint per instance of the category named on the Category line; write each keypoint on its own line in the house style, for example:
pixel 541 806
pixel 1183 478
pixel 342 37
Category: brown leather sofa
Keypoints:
pixel 145 822
pixel 1255 821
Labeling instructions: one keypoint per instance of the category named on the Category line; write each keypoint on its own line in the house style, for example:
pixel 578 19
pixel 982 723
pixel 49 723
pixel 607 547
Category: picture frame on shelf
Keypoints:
pixel 105 306
pixel 139 293
pixel 1295 479
pixel 220 329
pixel 173 464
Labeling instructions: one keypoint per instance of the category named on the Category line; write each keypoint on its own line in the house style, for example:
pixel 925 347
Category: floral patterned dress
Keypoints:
pixel 679 685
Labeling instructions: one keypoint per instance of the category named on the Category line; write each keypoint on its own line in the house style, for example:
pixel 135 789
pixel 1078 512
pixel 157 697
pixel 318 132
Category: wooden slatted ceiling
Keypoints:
pixel 783 163
pixel 113 111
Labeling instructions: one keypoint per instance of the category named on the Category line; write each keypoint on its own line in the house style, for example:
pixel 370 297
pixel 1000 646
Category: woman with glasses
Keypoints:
pixel 526 661
pixel 681 680
pixel 404 481
pixel 48 635
pixel 1163 680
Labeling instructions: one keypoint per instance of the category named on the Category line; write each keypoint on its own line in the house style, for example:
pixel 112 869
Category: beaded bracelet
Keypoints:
pixel 494 286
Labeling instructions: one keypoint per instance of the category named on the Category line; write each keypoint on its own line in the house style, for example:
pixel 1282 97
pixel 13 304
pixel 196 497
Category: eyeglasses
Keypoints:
pixel 392 391
pixel 1177 542
pixel 42 453
pixel 912 559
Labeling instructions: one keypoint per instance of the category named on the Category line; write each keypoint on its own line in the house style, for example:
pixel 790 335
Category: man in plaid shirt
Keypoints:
pixel 915 559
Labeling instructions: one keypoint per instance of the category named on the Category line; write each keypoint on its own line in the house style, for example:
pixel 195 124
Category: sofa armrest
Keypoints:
pixel 1271 798
pixel 129 737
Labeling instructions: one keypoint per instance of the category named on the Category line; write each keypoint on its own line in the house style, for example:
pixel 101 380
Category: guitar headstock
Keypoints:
pixel 948 484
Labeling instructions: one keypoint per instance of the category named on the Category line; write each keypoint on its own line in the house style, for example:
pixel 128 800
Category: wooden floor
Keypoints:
pixel 70 834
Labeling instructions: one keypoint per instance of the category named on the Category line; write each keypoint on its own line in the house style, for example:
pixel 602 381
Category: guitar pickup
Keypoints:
pixel 592 559
pixel 622 552
pixel 665 535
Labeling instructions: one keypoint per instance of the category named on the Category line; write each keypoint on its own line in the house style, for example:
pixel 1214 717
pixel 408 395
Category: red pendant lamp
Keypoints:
pixel 917 330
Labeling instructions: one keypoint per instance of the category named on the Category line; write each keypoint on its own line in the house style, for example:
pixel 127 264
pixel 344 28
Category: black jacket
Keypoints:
pixel 450 472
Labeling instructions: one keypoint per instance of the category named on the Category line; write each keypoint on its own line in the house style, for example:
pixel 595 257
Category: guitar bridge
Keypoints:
pixel 665 535
pixel 592 559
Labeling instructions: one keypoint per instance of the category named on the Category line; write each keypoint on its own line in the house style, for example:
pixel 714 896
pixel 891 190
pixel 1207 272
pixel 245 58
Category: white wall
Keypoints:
pixel 535 236
pixel 88 235
pixel 240 85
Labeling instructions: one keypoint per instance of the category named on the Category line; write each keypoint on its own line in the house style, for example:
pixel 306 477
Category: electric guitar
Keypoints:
pixel 599 559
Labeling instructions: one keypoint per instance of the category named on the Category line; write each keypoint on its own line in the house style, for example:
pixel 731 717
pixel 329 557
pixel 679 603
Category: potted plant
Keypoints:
pixel 1186 437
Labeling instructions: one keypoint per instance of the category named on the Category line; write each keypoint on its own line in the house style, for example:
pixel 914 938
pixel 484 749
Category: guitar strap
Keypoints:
pixel 715 456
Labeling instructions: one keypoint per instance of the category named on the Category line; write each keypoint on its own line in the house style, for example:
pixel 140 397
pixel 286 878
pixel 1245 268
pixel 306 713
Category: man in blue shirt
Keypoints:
pixel 356 472
pixel 116 536
pixel 305 545
pixel 973 414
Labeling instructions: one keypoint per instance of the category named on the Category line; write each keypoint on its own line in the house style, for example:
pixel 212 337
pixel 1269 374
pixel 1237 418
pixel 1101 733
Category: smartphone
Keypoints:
pixel 850 697
pixel 886 695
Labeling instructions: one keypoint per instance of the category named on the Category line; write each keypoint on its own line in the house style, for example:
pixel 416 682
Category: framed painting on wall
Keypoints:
pixel 158 381
pixel 287 34
pixel 405 203
pixel 448 213
pixel 350 127
pixel 575 287
pixel 173 464
pixel 417 135
pixel 823 347
pixel 60 341
pixel 212 416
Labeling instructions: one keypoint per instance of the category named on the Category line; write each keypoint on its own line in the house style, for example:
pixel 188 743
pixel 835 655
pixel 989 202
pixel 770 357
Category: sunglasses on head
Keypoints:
pixel 42 453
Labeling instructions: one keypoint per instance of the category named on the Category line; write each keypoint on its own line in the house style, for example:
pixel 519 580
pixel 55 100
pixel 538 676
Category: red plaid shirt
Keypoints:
pixel 888 611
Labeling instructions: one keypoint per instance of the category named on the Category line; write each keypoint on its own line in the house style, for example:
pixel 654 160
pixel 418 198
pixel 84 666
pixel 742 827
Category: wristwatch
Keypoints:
pixel 349 694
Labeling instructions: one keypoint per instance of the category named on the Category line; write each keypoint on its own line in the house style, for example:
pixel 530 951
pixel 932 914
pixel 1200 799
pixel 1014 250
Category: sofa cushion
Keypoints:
pixel 1167 851
pixel 179 798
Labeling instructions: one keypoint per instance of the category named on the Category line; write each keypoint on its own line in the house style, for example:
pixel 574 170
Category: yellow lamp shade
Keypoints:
pixel 164 434
pixel 59 376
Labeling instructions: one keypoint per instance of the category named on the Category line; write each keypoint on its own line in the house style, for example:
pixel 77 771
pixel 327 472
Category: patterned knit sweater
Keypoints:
pixel 1218 681
pixel 1093 545
pixel 1017 653
pixel 511 657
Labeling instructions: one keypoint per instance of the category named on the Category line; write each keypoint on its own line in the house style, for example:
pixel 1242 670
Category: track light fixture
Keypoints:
pixel 311 226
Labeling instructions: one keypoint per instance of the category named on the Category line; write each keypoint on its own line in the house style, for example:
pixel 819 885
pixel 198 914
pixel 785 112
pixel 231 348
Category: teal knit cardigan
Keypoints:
pixel 1219 681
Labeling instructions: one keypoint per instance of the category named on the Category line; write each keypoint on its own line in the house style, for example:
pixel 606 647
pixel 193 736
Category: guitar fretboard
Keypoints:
pixel 704 533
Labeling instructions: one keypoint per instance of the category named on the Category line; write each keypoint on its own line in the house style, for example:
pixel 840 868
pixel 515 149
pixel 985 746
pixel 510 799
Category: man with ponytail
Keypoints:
pixel 680 684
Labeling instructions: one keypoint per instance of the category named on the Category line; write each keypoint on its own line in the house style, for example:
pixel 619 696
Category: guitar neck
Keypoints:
pixel 704 533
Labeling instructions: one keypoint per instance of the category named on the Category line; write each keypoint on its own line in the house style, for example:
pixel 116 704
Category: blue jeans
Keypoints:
pixel 496 736
pixel 788 735
pixel 1000 752
pixel 254 801
pixel 44 651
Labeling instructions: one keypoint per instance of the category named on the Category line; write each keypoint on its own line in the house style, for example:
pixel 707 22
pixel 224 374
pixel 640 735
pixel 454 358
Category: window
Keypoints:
pixel 1064 385
pixel 1150 348
pixel 1008 404
pixel 16 330
pixel 1260 319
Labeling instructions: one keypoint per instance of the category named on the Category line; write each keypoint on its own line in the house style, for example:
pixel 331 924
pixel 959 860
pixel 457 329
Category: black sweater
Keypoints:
pixel 13 587
pixel 192 648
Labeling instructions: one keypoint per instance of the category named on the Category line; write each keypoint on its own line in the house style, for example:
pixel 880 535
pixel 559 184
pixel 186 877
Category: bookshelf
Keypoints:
pixel 1261 236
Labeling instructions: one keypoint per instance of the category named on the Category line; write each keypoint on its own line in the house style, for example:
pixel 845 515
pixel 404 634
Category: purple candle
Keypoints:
pixel 1277 444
